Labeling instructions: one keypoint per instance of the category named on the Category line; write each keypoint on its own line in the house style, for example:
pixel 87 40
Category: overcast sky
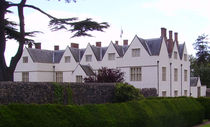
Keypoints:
pixel 190 18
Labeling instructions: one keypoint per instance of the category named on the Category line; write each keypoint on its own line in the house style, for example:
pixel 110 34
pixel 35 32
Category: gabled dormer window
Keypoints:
pixel 185 57
pixel 136 52
pixel 175 55
pixel 25 59
pixel 88 58
pixel 67 59
pixel 111 56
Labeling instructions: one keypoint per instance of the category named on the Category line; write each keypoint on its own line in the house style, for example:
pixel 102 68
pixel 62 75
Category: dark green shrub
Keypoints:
pixel 205 102
pixel 164 112
pixel 125 92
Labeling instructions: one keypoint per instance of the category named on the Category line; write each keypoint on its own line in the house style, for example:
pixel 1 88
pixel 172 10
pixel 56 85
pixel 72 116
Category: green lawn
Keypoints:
pixel 207 125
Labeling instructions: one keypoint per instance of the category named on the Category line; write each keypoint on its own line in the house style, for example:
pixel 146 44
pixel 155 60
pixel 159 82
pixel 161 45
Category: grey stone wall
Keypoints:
pixel 44 93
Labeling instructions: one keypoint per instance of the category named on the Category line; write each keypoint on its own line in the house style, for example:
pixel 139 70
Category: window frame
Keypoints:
pixel 25 59
pixel 79 78
pixel 164 93
pixel 175 55
pixel 175 74
pixel 175 93
pixel 163 73
pixel 25 76
pixel 136 52
pixel 88 58
pixel 111 56
pixel 185 75
pixel 136 74
pixel 67 59
pixel 59 76
pixel 185 57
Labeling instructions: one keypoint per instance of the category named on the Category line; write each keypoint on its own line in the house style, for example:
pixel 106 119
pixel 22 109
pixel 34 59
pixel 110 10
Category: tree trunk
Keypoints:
pixel 3 66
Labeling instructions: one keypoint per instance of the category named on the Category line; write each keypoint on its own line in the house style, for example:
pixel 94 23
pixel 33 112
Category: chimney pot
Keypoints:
pixel 29 45
pixel 176 37
pixel 163 32
pixel 170 35
pixel 125 42
pixel 38 45
pixel 98 44
pixel 56 47
pixel 74 45
pixel 116 42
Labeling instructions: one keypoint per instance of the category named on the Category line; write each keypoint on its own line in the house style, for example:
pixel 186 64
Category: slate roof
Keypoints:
pixel 154 45
pixel 88 70
pixel 45 56
pixel 99 52
pixel 181 50
pixel 193 81
pixel 145 45
pixel 58 55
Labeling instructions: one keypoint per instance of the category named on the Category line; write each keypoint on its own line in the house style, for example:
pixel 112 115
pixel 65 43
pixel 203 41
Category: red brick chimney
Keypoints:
pixel 116 42
pixel 98 44
pixel 37 45
pixel 176 38
pixel 163 32
pixel 74 45
pixel 170 42
pixel 29 45
pixel 56 47
pixel 125 42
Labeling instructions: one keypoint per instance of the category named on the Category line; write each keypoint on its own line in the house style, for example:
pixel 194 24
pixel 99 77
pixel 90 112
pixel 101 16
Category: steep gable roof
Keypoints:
pixel 99 52
pixel 120 49
pixel 154 45
pixel 45 56
pixel 88 70
pixel 77 53
pixel 144 43
pixel 181 50
pixel 58 55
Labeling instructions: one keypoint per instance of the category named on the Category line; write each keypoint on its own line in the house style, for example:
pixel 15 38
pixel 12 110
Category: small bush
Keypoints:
pixel 125 92
pixel 205 102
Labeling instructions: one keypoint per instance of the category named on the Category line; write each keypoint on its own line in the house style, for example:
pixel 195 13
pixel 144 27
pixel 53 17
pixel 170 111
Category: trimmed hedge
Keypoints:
pixel 205 102
pixel 166 112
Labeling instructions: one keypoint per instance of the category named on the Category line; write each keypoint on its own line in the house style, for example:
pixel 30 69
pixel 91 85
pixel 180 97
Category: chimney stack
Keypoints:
pixel 176 37
pixel 170 35
pixel 163 32
pixel 170 42
pixel 74 45
pixel 125 42
pixel 116 42
pixel 56 47
pixel 30 45
pixel 37 45
pixel 98 44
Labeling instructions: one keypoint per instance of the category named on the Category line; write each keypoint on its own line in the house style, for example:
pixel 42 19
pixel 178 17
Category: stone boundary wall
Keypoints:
pixel 45 93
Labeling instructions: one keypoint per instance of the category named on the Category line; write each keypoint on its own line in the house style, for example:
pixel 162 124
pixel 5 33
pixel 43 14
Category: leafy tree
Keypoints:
pixel 8 31
pixel 201 45
pixel 200 65
pixel 106 75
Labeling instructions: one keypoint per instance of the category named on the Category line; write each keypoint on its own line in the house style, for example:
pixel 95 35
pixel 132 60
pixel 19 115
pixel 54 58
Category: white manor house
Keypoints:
pixel 160 63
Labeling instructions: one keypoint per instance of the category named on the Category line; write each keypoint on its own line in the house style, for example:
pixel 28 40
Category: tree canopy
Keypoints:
pixel 200 65
pixel 8 30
